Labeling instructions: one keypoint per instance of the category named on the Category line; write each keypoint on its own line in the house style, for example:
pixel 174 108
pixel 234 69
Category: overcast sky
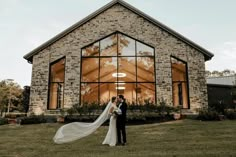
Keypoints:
pixel 26 24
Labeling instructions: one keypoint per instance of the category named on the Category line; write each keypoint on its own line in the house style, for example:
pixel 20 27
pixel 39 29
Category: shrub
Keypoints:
pixel 3 121
pixel 140 113
pixel 218 107
pixel 32 119
pixel 208 114
pixel 14 115
pixel 230 114
pixel 146 117
pixel 80 118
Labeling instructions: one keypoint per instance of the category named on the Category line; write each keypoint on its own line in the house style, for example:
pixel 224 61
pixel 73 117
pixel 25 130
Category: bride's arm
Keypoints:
pixel 111 110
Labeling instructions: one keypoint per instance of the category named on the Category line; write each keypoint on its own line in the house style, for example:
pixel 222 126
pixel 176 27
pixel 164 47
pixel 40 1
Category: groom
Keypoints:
pixel 121 120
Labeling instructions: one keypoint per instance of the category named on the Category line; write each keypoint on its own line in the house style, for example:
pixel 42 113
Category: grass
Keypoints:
pixel 179 138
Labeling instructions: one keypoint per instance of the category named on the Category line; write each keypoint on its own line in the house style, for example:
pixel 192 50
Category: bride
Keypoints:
pixel 111 137
pixel 76 130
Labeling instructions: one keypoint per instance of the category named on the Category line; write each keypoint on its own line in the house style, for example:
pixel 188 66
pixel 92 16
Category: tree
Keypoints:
pixel 26 98
pixel 3 96
pixel 215 73
pixel 10 95
pixel 232 72
pixel 208 73
pixel 226 72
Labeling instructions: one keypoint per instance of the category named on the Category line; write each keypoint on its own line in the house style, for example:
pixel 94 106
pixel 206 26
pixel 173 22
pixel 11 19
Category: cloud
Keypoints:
pixel 225 57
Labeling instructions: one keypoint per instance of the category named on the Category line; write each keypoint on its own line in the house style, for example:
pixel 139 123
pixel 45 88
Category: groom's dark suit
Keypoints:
pixel 120 124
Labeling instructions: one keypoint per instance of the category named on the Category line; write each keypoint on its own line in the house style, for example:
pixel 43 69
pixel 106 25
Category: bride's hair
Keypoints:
pixel 113 99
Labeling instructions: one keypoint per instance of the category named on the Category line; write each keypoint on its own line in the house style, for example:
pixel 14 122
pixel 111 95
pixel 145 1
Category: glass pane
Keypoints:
pixel 58 71
pixel 127 69
pixel 109 46
pixel 144 50
pixel 145 69
pixel 128 90
pixel 126 46
pixel 107 91
pixel 56 95
pixel 145 93
pixel 90 69
pixel 92 50
pixel 89 93
pixel 108 69
pixel 180 94
pixel 53 96
pixel 178 70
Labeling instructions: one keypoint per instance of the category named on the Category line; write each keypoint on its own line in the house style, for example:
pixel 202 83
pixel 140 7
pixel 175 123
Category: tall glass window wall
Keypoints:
pixel 115 65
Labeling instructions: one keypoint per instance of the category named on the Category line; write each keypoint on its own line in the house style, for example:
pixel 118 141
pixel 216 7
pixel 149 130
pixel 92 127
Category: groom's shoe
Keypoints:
pixel 123 144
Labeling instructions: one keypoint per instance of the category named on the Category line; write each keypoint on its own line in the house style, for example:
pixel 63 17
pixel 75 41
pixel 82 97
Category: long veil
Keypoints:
pixel 76 130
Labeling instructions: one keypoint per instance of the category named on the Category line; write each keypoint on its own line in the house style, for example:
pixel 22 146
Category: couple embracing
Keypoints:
pixel 116 135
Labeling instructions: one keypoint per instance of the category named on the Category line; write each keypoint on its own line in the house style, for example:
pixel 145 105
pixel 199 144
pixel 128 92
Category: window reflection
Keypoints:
pixel 127 66
pixel 109 46
pixel 56 91
pixel 92 50
pixel 128 90
pixel 108 66
pixel 90 69
pixel 126 46
pixel 144 50
pixel 89 92
pixel 145 93
pixel 107 90
pixel 145 69
pixel 179 83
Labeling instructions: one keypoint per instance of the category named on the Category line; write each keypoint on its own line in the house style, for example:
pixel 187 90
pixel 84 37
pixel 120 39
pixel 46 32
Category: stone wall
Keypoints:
pixel 117 18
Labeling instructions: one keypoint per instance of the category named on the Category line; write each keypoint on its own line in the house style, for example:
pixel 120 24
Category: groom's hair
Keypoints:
pixel 113 99
pixel 122 97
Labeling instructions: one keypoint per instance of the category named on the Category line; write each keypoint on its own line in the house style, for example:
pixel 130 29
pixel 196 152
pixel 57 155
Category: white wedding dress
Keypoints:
pixel 76 130
pixel 111 137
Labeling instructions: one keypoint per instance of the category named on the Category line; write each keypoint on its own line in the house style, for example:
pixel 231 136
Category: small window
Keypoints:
pixel 56 87
pixel 179 83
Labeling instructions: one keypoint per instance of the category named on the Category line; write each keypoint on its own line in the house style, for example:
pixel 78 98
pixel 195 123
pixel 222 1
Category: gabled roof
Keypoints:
pixel 208 55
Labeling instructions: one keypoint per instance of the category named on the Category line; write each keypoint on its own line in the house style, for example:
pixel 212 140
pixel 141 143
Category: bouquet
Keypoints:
pixel 117 111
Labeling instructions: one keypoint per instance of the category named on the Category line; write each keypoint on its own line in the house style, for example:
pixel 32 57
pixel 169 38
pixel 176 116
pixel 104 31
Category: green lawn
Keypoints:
pixel 179 138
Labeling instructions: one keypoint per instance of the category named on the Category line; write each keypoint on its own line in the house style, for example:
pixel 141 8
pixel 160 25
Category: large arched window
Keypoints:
pixel 115 65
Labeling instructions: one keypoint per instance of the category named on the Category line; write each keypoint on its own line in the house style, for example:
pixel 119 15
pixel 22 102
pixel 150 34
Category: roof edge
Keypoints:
pixel 169 30
pixel 29 55
pixel 207 54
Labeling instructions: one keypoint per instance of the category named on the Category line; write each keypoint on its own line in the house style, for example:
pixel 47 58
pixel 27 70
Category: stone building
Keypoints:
pixel 118 50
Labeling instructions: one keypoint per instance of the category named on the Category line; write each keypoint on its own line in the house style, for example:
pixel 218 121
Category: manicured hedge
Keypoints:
pixel 132 118
pixel 36 119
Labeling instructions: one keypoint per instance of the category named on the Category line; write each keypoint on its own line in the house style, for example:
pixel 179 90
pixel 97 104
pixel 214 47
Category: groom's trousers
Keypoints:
pixel 121 130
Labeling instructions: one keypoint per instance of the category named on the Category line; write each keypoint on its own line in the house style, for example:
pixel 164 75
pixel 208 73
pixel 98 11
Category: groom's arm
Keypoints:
pixel 124 109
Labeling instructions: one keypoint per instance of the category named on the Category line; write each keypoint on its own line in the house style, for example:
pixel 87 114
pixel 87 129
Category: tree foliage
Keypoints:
pixel 217 73
pixel 26 98
pixel 10 92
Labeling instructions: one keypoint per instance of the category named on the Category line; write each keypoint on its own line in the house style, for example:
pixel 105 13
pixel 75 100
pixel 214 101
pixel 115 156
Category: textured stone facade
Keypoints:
pixel 117 18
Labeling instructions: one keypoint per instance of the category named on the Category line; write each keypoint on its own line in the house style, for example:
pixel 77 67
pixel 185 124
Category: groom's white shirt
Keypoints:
pixel 120 105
